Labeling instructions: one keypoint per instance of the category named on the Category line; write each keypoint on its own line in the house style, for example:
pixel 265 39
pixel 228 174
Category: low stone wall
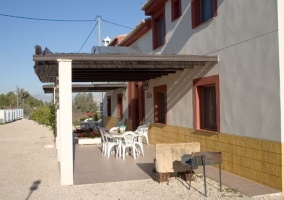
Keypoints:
pixel 168 156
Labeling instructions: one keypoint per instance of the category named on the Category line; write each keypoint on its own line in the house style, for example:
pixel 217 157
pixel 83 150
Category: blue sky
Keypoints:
pixel 19 36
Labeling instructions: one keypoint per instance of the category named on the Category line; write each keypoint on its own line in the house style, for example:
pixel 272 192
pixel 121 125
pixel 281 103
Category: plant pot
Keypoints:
pixel 82 141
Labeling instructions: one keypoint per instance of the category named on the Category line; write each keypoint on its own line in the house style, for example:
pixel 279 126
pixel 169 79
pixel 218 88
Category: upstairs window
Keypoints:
pixel 176 9
pixel 207 10
pixel 158 28
pixel 202 11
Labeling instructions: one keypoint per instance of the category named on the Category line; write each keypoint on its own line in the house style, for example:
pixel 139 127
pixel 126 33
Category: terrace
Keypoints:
pixel 91 167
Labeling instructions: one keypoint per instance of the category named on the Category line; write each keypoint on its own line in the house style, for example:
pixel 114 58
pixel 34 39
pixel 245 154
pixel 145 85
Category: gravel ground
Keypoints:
pixel 30 171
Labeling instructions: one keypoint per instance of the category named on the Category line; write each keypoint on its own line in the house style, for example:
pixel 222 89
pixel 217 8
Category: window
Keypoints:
pixel 158 28
pixel 209 107
pixel 160 104
pixel 119 105
pixel 176 9
pixel 202 11
pixel 161 31
pixel 206 103
pixel 108 106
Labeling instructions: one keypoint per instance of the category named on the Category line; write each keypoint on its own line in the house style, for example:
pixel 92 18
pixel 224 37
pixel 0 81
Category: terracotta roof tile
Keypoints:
pixel 133 31
pixel 147 4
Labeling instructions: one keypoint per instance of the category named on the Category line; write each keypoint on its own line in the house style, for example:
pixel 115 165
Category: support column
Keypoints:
pixel 141 102
pixel 132 104
pixel 65 119
pixel 57 123
pixel 56 103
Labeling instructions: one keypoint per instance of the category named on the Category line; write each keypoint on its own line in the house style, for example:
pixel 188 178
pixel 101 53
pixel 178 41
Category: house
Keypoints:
pixel 233 106
pixel 208 72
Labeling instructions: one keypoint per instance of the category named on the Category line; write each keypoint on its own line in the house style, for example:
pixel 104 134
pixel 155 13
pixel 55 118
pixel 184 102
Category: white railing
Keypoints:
pixel 10 115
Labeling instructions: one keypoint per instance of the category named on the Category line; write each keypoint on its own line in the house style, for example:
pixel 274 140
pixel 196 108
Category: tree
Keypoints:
pixel 25 100
pixel 3 101
pixel 89 103
pixel 84 103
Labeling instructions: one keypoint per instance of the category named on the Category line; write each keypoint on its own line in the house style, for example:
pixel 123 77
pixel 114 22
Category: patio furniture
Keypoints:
pixel 128 141
pixel 113 130
pixel 110 144
pixel 115 137
pixel 87 123
pixel 98 123
pixel 202 159
pixel 139 144
pixel 143 129
pixel 103 143
pixel 117 129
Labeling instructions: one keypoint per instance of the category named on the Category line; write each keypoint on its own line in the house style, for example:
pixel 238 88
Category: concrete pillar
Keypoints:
pixel 65 119
pixel 141 102
pixel 132 104
pixel 58 132
pixel 57 112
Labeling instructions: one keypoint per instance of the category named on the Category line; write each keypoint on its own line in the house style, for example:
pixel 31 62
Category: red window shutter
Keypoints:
pixel 195 13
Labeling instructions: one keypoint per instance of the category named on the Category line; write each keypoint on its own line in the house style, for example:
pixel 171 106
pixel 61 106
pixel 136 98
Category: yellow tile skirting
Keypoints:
pixel 255 159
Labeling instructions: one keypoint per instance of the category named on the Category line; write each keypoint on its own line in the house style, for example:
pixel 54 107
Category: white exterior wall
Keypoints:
pixel 144 44
pixel 281 62
pixel 113 108
pixel 245 37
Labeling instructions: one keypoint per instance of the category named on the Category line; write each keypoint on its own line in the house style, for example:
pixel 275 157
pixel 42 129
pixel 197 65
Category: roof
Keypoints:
pixel 116 40
pixel 114 50
pixel 152 6
pixel 143 27
pixel 147 4
pixel 115 67
pixel 102 87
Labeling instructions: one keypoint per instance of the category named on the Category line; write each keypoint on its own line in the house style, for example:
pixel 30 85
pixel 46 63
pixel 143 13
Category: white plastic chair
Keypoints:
pixel 103 143
pixel 98 123
pixel 143 129
pixel 110 145
pixel 128 142
pixel 138 143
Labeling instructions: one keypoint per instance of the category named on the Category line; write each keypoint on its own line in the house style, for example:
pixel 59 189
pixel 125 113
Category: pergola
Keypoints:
pixel 97 87
pixel 114 68
pixel 64 69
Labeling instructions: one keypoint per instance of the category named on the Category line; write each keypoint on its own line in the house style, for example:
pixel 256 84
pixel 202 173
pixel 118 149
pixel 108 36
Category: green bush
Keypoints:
pixel 52 119
pixel 96 116
pixel 41 115
pixel 76 122
pixel 45 115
